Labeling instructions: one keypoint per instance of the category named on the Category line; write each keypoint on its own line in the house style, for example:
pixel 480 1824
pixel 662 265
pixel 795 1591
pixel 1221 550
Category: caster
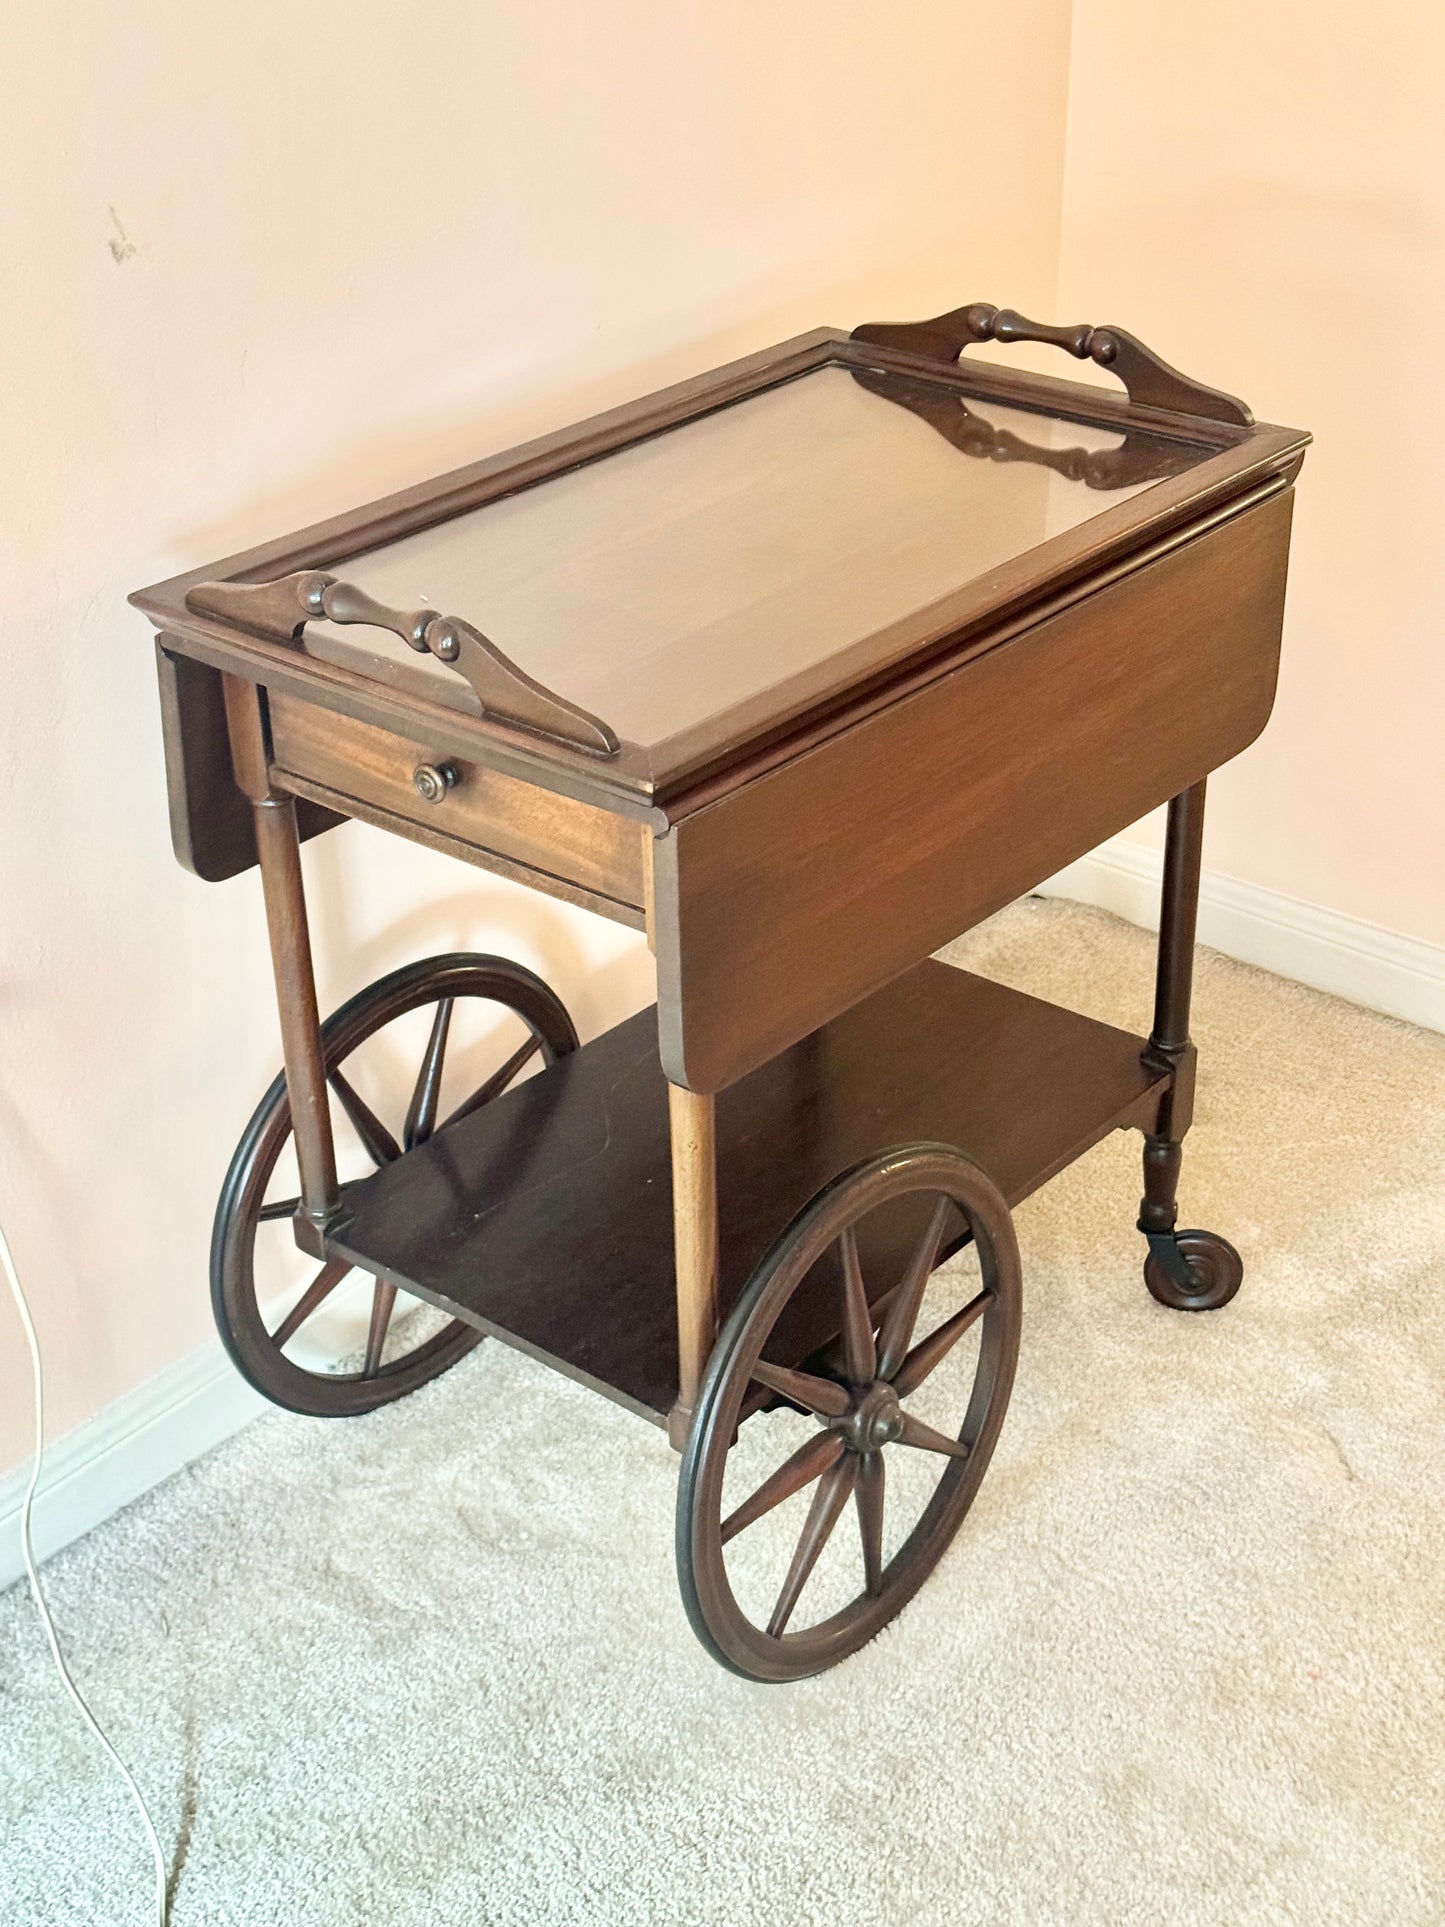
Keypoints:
pixel 1201 1272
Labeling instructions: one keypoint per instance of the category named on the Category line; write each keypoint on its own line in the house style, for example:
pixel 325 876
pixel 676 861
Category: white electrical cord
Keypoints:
pixel 28 1549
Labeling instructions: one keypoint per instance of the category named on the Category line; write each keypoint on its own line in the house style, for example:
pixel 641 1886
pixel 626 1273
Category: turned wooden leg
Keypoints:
pixel 279 849
pixel 693 1122
pixel 1187 1270
pixel 1169 1043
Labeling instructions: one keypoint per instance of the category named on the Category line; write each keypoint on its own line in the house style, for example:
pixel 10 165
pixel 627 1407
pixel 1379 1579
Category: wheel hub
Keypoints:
pixel 873 1419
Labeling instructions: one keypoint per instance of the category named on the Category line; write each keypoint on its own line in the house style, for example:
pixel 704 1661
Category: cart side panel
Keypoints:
pixel 783 903
pixel 212 829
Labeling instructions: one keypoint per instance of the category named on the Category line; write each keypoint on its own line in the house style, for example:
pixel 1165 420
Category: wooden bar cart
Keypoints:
pixel 803 667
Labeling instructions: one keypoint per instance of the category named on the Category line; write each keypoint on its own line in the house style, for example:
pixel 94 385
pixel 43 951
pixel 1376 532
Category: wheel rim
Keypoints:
pixel 267 1332
pixel 858 1404
pixel 1215 1266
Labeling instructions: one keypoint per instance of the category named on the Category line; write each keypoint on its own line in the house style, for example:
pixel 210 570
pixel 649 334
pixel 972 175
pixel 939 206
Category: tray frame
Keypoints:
pixel 649 783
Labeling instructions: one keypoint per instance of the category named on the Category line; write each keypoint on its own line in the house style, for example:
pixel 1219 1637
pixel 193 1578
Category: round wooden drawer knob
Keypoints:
pixel 433 780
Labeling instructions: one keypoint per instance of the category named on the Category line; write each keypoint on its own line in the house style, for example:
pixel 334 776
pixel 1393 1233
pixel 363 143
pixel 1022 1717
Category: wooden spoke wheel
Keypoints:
pixel 856 1396
pixel 378 1356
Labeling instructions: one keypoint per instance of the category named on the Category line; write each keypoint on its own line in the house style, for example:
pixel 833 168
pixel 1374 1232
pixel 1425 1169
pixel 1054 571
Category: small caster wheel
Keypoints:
pixel 1216 1268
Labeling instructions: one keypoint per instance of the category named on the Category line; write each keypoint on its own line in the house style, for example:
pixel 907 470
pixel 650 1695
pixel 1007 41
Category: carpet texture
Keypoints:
pixel 1185 1663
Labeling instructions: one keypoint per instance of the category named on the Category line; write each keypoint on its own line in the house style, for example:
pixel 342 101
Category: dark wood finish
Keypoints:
pixel 212 829
pixel 547 1219
pixel 1174 974
pixel 692 1134
pixel 239 1262
pixel 1169 1044
pixel 391 702
pixel 624 785
pixel 967 623
pixel 278 850
pixel 1178 916
pixel 944 730
pixel 1148 379
pixel 1212 1270
pixel 848 1458
pixel 490 813
pixel 772 751
pixel 1186 1270
pixel 1235 459
pixel 783 901
pixel 421 1113
pixel 421 832
pixel 282 609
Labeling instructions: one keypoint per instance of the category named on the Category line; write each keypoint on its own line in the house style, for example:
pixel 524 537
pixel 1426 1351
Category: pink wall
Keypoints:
pixel 264 263
pixel 1259 191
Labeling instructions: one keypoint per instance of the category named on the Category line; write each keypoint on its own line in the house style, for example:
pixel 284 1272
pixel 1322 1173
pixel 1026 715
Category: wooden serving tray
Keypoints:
pixel 804 666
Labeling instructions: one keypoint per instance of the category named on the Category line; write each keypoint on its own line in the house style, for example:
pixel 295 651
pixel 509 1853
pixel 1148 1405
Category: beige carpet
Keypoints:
pixel 1183 1665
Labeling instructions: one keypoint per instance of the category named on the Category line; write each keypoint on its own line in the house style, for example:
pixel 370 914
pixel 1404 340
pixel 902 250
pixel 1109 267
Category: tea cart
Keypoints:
pixel 802 667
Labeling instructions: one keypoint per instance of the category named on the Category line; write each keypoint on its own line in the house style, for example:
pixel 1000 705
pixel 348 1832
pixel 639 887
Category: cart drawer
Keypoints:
pixel 554 842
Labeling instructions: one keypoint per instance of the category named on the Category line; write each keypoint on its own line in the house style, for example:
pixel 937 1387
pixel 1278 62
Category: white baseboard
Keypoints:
pixel 173 1418
pixel 123 1451
pixel 1402 976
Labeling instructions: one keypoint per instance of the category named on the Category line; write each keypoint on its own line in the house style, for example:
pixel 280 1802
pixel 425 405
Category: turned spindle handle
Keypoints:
pixel 1084 342
pixel 505 690
pixel 1149 380
pixel 344 602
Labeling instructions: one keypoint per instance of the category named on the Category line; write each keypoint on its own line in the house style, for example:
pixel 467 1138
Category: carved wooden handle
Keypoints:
pixel 1084 342
pixel 344 602
pixel 1148 379
pixel 284 607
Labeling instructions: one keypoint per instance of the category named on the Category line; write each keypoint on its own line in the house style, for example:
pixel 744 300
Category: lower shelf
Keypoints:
pixel 546 1219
